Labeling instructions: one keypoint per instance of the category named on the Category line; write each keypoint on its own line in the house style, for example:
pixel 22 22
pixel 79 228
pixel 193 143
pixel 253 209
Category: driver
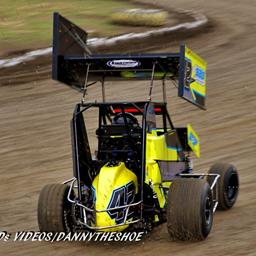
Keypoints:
pixel 125 118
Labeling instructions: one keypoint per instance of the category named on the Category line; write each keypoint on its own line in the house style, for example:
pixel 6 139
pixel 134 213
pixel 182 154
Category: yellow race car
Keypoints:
pixel 141 173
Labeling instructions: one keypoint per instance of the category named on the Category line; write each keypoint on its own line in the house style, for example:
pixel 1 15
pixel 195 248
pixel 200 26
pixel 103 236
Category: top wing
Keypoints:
pixel 74 64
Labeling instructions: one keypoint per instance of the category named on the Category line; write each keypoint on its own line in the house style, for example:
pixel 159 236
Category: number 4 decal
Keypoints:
pixel 120 197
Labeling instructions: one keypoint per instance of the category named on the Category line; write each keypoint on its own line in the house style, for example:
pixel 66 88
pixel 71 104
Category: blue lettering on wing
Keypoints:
pixel 193 139
pixel 199 75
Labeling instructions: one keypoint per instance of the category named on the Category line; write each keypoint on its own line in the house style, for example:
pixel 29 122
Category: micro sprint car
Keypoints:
pixel 141 173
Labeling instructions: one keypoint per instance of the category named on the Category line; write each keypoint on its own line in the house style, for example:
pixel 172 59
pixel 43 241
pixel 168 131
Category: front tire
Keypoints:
pixel 54 211
pixel 227 185
pixel 190 209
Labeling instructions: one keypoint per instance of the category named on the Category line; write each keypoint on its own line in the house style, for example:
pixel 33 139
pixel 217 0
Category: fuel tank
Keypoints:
pixel 114 186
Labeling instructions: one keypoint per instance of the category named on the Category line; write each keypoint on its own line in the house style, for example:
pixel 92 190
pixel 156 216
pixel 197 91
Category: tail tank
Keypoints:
pixel 114 186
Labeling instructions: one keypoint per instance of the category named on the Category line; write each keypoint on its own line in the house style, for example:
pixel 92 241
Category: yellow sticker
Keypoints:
pixel 193 140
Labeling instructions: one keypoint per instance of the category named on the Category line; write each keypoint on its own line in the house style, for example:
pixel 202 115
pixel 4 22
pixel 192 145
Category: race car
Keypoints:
pixel 141 173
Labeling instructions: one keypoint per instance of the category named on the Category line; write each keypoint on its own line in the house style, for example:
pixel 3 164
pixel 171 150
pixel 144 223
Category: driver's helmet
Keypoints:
pixel 130 119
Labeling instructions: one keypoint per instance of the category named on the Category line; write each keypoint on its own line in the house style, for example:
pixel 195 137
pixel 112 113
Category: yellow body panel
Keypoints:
pixel 153 178
pixel 157 149
pixel 105 183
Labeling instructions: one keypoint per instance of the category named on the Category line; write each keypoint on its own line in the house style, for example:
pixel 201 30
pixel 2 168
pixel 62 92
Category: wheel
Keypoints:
pixel 190 209
pixel 54 211
pixel 227 185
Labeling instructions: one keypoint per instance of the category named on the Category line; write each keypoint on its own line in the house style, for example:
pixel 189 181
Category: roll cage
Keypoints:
pixel 82 157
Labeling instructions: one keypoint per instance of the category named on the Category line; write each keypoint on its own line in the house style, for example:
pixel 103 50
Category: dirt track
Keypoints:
pixel 35 143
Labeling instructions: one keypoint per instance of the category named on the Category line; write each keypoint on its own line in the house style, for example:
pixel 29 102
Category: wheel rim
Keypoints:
pixel 232 187
pixel 208 210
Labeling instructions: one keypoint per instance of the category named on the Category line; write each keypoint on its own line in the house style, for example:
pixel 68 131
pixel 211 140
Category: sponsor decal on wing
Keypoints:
pixel 123 63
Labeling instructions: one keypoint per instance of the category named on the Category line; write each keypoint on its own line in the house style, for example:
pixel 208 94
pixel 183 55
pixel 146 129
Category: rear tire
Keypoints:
pixel 227 185
pixel 54 210
pixel 190 209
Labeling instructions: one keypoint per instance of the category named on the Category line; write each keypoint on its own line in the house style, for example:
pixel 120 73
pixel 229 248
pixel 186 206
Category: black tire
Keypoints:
pixel 54 210
pixel 228 185
pixel 190 209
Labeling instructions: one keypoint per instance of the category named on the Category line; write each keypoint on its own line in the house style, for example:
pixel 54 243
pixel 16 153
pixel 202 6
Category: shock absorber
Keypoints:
pixel 189 163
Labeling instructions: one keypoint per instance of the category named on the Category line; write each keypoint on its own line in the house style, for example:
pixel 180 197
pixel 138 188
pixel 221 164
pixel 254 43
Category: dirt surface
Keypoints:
pixel 40 68
pixel 35 142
